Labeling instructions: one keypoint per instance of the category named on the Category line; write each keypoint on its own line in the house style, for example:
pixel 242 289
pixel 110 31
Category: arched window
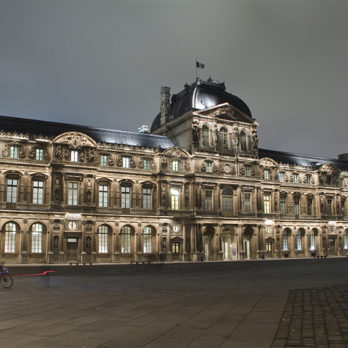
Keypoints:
pixel 299 240
pixel 312 240
pixel 227 199
pixel 285 240
pixel 10 237
pixel 126 233
pixel 36 238
pixel 223 138
pixel 205 136
pixel 103 233
pixel 147 238
pixel 243 141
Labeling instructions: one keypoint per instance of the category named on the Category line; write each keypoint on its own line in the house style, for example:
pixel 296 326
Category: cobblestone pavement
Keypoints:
pixel 314 318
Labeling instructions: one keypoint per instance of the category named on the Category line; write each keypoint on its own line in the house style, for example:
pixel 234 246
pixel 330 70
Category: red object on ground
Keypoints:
pixel 33 274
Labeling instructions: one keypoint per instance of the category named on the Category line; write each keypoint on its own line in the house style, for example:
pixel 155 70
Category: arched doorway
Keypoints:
pixel 208 238
pixel 270 247
pixel 247 236
pixel 229 244
pixel 176 248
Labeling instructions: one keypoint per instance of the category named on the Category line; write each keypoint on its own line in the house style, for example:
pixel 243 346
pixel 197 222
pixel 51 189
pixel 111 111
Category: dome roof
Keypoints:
pixel 200 95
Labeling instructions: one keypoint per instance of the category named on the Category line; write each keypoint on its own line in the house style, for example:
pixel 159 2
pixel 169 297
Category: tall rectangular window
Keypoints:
pixel 175 165
pixel 103 196
pixel 36 238
pixel 282 205
pixel 125 243
pixel 308 179
pixel 104 160
pixel 205 136
pixel 74 156
pixel 208 167
pixel 125 162
pixel 38 192
pixel 247 170
pixel 329 206
pixel 227 200
pixel 266 204
pixel 208 204
pixel 296 206
pixel 13 151
pixel 147 198
pixel 39 154
pixel 285 241
pixel 147 236
pixel 299 240
pixel 295 178
pixel 103 239
pixel 174 198
pixel 73 191
pixel 312 241
pixel 247 202
pixel 125 197
pixel 10 237
pixel 266 174
pixel 281 177
pixel 310 206
pixel 12 185
pixel 147 164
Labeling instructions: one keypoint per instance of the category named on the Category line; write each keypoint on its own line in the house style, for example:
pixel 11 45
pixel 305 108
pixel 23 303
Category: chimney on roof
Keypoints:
pixel 343 156
pixel 165 104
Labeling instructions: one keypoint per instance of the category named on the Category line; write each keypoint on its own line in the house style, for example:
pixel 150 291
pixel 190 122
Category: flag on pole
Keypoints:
pixel 200 65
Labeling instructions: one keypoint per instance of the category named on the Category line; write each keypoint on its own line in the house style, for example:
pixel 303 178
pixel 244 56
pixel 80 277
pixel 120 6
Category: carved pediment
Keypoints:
pixel 75 139
pixel 268 162
pixel 177 152
pixel 329 169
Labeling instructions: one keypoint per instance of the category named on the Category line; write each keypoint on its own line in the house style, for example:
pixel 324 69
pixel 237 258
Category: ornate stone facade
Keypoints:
pixel 204 187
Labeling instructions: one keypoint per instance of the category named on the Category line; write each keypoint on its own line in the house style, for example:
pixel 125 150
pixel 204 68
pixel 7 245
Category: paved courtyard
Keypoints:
pixel 287 303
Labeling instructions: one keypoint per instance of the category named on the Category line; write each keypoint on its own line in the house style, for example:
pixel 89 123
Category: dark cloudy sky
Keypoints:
pixel 102 63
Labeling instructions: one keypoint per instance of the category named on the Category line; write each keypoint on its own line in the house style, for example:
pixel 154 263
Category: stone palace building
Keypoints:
pixel 197 185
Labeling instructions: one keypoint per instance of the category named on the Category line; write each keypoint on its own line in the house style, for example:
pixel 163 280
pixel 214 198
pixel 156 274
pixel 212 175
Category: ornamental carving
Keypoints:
pixel 7 150
pixel 268 162
pixel 177 152
pixel 75 140
pixel 90 155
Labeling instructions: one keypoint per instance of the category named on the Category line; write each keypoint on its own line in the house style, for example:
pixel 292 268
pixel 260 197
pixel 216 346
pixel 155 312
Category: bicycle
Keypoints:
pixel 6 279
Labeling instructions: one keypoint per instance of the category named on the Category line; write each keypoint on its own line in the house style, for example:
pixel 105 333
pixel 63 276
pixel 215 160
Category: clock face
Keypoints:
pixel 176 228
pixel 72 225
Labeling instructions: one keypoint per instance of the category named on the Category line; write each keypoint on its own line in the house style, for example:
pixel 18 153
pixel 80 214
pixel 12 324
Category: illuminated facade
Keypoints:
pixel 198 185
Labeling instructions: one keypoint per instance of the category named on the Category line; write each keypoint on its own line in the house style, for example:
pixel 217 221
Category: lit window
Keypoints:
pixel 72 225
pixel 104 160
pixel 147 164
pixel 247 202
pixel 74 156
pixel 12 185
pixel 285 240
pixel 73 193
pixel 175 165
pixel 125 162
pixel 299 240
pixel 39 154
pixel 38 192
pixel 227 199
pixel 10 237
pixel 266 204
pixel 125 197
pixel 103 232
pixel 269 246
pixel 281 177
pixel 266 174
pixel 147 235
pixel 13 151
pixel 103 196
pixel 147 198
pixel 174 198
pixel 312 241
pixel 208 204
pixel 175 248
pixel 126 239
pixel 247 170
pixel 36 238
pixel 208 167
pixel 295 178
pixel 345 239
pixel 308 179
pixel 205 136
pixel 282 205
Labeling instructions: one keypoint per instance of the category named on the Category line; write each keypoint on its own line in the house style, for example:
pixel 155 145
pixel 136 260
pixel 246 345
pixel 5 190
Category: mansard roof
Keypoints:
pixel 101 135
pixel 302 160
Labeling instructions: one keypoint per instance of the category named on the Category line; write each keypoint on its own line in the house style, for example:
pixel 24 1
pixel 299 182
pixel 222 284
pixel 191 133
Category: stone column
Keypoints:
pixel 193 243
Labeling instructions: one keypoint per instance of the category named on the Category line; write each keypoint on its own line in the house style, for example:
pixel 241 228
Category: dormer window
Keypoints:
pixel 39 154
pixel 147 164
pixel 175 166
pixel 308 179
pixel 266 174
pixel 74 156
pixel 223 138
pixel 125 162
pixel 295 178
pixel 13 151
pixel 104 160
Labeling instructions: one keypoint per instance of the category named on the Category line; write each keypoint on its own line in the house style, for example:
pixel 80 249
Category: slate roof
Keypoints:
pixel 102 135
pixel 302 160
pixel 201 94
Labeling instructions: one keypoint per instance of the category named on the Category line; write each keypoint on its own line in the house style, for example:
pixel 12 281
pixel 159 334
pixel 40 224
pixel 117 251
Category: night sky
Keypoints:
pixel 102 63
